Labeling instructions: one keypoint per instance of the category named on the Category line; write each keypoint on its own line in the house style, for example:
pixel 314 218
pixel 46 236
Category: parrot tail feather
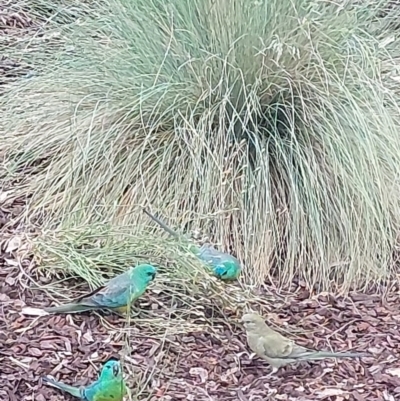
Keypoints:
pixel 327 354
pixel 75 391
pixel 161 224
pixel 68 308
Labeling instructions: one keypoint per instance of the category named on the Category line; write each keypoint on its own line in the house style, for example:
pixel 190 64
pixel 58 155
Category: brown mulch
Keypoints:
pixel 195 366
pixel 15 22
pixel 14 17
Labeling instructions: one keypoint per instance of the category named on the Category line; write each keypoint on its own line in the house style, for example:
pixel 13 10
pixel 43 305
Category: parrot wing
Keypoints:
pixel 116 293
pixel 114 390
pixel 277 346
pixel 299 352
pixel 214 257
pixel 274 345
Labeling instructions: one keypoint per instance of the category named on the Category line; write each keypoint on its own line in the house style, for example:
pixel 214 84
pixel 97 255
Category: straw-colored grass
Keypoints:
pixel 271 125
pixel 183 298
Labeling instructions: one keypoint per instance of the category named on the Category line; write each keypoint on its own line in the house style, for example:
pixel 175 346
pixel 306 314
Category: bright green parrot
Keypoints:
pixel 116 294
pixel 110 386
pixel 223 265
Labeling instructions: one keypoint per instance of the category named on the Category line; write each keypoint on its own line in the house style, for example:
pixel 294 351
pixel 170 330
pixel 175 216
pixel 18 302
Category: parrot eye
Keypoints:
pixel 115 370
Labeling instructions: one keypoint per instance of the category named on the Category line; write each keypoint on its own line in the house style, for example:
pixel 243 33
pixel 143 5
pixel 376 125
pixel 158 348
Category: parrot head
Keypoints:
pixel 111 370
pixel 144 273
pixel 253 322
pixel 227 271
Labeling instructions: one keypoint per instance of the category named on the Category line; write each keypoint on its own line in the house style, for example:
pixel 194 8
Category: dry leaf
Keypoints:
pixel 12 262
pixel 4 196
pixel 35 352
pixel 33 311
pixel 48 345
pixel 199 372
pixel 88 336
pixel 329 392
pixel 4 298
pixel 225 377
pixel 94 356
pixel 394 372
pixel 10 280
pixel 13 244
pixel 21 363
pixel 387 396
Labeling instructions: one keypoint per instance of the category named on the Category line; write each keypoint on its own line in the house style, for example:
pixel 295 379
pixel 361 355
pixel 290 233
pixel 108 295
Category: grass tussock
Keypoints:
pixel 183 298
pixel 271 125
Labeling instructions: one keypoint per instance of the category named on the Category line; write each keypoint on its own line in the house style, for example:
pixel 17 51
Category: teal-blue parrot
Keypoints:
pixel 109 387
pixel 117 294
pixel 224 266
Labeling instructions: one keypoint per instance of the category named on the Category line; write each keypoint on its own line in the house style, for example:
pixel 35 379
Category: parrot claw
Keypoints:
pixel 272 373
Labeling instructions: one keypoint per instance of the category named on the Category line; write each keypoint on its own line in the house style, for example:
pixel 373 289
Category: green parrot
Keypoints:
pixel 223 265
pixel 109 387
pixel 117 294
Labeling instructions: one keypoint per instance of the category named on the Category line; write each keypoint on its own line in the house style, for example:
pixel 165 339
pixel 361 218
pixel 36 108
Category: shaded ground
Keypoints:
pixel 15 22
pixel 195 366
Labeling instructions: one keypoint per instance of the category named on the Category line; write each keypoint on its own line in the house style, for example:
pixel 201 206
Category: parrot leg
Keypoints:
pixel 272 373
pixel 124 312
pixel 274 370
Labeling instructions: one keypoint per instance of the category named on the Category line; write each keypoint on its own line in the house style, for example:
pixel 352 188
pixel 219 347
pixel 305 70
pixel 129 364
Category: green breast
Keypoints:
pixel 111 391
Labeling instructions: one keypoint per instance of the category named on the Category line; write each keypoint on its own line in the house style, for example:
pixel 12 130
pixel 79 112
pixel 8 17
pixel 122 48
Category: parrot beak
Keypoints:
pixel 220 271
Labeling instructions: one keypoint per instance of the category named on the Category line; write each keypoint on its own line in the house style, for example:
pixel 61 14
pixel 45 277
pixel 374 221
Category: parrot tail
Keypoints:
pixel 68 308
pixel 161 224
pixel 75 391
pixel 327 354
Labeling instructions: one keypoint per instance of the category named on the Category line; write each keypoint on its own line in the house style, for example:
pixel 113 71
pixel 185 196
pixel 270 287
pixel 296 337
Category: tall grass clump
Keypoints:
pixel 271 125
